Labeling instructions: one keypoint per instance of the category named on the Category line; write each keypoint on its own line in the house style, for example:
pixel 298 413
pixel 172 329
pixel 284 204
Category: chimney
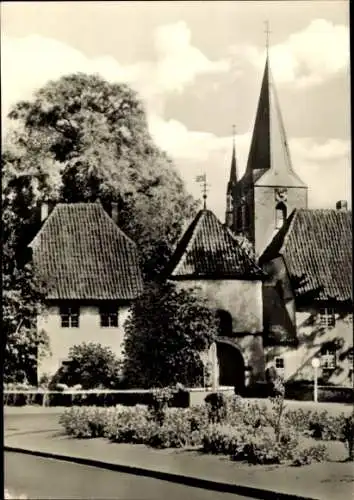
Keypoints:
pixel 44 210
pixel 342 205
pixel 114 212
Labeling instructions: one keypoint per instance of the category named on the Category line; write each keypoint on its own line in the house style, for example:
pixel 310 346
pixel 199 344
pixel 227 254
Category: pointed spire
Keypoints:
pixel 269 148
pixel 233 170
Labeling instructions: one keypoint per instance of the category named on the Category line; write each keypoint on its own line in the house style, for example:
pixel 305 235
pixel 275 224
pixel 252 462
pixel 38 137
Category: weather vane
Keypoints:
pixel 202 179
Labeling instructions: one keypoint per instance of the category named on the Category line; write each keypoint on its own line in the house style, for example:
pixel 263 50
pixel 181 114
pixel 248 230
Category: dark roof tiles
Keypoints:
pixel 208 250
pixel 83 255
pixel 317 246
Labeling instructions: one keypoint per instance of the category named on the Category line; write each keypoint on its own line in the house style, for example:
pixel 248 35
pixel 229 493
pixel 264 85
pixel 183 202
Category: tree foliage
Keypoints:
pixel 167 330
pixel 22 292
pixel 91 365
pixel 80 139
pixel 92 140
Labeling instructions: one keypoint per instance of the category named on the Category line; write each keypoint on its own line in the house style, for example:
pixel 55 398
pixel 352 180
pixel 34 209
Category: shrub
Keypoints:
pixel 91 365
pixel 306 456
pixel 217 407
pixel 348 435
pixel 257 446
pixel 298 419
pixel 161 398
pixel 130 425
pixel 181 427
pixel 85 422
pixel 239 411
pixel 225 440
pixel 326 427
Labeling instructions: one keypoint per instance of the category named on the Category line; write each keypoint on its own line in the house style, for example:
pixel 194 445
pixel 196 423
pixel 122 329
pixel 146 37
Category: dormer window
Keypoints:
pixel 280 215
pixel 70 316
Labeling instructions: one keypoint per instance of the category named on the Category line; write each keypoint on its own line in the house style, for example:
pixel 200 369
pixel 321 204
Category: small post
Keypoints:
pixel 215 375
pixel 315 364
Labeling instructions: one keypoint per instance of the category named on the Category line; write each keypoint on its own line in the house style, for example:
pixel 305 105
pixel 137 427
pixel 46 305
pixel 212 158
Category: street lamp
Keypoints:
pixel 315 364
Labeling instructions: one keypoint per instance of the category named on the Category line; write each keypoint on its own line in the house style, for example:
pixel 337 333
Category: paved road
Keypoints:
pixel 41 478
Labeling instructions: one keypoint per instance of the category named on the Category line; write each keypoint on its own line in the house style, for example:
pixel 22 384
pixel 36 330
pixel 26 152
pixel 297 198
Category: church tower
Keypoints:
pixel 270 189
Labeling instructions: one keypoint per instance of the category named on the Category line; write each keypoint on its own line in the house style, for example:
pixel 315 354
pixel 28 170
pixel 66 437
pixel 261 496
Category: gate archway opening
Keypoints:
pixel 231 366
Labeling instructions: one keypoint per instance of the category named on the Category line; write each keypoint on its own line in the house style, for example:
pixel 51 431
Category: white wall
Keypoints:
pixel 311 338
pixel 241 298
pixel 61 339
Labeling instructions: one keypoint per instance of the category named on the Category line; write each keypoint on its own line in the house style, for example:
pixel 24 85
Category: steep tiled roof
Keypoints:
pixel 317 247
pixel 208 250
pixel 82 254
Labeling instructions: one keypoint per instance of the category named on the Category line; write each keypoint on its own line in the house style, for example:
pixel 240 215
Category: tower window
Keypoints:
pixel 280 215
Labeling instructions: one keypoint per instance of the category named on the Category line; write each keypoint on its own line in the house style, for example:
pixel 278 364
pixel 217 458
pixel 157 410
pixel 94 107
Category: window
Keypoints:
pixel 328 358
pixel 350 356
pixel 327 317
pixel 279 363
pixel 109 316
pixel 69 316
pixel 280 215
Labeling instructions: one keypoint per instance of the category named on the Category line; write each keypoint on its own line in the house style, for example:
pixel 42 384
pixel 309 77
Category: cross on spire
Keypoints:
pixel 267 32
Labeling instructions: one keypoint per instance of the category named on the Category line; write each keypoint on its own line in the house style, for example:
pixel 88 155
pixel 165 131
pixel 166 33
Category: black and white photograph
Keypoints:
pixel 177 276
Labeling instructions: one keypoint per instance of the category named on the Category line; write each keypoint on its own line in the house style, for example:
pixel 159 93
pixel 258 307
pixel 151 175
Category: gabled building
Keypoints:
pixel 92 273
pixel 211 258
pixel 308 296
pixel 270 189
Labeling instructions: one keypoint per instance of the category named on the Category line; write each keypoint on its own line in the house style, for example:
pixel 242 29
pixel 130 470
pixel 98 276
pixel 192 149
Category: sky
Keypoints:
pixel 198 66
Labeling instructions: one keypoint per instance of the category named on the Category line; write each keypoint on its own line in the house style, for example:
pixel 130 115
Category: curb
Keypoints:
pixel 257 493
pixel 10 433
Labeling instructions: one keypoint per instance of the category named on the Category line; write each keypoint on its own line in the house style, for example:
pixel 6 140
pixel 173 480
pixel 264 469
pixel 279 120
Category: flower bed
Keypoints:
pixel 244 430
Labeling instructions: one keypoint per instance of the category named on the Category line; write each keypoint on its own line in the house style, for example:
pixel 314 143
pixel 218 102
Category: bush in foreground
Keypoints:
pixel 91 365
pixel 249 433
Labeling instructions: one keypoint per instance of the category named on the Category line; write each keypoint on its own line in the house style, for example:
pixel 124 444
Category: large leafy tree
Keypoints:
pixel 22 292
pixel 96 135
pixel 80 139
pixel 166 332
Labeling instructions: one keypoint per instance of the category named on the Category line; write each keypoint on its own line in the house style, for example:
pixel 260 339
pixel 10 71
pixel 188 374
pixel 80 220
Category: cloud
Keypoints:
pixel 29 62
pixel 306 58
pixel 179 61
pixel 309 57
